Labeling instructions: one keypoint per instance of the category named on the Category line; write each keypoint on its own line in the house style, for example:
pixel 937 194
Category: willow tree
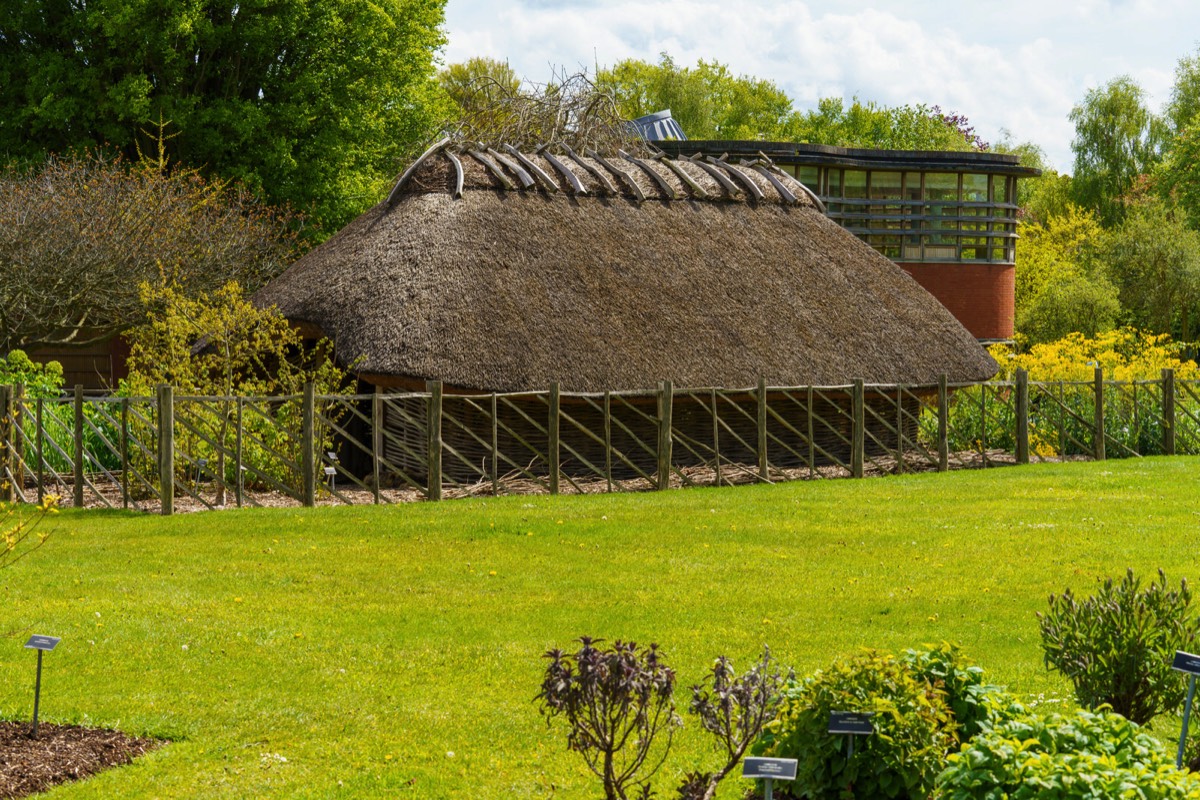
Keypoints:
pixel 79 234
pixel 1117 138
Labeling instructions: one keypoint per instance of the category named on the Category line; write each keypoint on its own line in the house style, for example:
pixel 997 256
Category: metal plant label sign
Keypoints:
pixel 780 769
pixel 1186 662
pixel 854 723
pixel 38 642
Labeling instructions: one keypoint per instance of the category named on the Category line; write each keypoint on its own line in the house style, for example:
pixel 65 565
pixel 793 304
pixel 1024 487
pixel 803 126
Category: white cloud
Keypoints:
pixel 1019 65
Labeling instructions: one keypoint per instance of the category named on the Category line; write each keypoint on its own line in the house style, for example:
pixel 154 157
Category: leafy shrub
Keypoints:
pixel 913 730
pixel 1116 646
pixel 945 668
pixel 1125 354
pixel 246 351
pixel 1064 756
pixel 1062 410
pixel 39 380
pixel 616 702
pixel 58 438
pixel 734 710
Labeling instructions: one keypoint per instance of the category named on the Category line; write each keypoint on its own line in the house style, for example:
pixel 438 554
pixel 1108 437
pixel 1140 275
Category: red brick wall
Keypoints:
pixel 981 296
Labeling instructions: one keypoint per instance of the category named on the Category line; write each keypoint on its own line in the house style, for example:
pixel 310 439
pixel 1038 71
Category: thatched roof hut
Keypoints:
pixel 504 271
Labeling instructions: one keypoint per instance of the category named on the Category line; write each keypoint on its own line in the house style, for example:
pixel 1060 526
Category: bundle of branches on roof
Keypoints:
pixel 494 108
pixel 79 234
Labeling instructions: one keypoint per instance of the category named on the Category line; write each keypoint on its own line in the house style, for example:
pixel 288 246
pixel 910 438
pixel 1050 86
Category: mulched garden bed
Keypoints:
pixel 61 753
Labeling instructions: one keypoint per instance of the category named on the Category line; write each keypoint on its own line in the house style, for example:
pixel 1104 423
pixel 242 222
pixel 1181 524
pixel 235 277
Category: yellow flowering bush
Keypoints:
pixel 1125 354
pixel 1062 397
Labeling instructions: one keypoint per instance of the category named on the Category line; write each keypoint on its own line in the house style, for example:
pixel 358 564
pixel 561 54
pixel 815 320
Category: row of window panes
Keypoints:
pixel 931 187
pixel 942 229
pixel 934 248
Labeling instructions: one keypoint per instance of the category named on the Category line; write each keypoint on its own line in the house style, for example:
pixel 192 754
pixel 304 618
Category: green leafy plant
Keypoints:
pixel 1030 755
pixel 914 728
pixel 1116 646
pixel 617 701
pixel 734 709
pixel 944 667
pixel 38 380
pixel 220 346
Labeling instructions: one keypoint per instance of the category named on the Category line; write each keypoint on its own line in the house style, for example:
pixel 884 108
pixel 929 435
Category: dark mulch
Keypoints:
pixel 60 753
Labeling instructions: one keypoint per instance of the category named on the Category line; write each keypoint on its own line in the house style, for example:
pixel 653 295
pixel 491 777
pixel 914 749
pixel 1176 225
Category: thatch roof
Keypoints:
pixel 502 288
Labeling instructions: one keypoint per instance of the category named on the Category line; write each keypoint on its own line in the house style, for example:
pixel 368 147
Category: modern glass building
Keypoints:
pixel 949 219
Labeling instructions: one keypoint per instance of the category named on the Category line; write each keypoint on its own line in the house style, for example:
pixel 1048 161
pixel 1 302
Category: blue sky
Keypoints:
pixel 1019 65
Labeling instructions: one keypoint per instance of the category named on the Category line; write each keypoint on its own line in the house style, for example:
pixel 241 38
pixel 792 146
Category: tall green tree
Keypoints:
pixel 479 81
pixel 309 102
pixel 1041 197
pixel 1154 259
pixel 1185 94
pixel 1178 176
pixel 707 100
pixel 1061 285
pixel 859 124
pixel 1117 138
pixel 481 93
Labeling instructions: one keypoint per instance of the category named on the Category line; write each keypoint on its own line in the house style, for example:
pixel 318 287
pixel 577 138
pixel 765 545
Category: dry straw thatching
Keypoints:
pixel 495 270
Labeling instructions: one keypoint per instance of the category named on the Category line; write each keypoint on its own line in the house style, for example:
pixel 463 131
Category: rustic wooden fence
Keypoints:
pixel 171 451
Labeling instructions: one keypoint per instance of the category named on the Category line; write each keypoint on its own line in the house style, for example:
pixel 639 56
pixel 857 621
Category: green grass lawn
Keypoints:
pixel 394 652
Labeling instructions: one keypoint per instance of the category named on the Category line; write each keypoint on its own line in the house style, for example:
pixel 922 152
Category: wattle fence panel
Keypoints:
pixel 171 452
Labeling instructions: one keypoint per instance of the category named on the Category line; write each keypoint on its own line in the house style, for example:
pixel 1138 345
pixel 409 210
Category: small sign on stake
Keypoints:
pixel 43 644
pixel 851 723
pixel 1188 664
pixel 768 770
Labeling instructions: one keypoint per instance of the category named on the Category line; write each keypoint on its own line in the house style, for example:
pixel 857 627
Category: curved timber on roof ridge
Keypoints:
pixel 511 289
pixel 441 168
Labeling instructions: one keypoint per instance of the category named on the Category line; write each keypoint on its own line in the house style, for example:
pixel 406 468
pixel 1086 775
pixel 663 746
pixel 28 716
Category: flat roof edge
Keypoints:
pixel 799 153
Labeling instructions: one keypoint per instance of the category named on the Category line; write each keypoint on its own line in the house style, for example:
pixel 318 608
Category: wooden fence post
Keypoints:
pixel 812 446
pixel 376 443
pixel 166 448
pixel 858 431
pixel 1022 417
pixel 666 404
pixel 1098 434
pixel 900 428
pixel 495 446
pixel 238 468
pixel 17 438
pixel 553 450
pixel 7 427
pixel 433 472
pixel 943 434
pixel 716 437
pixel 1168 406
pixel 124 452
pixel 308 457
pixel 39 431
pixel 608 448
pixel 77 455
pixel 764 462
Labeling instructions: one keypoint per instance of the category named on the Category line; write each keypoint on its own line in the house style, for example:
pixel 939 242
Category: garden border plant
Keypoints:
pixel 1116 646
pixel 618 700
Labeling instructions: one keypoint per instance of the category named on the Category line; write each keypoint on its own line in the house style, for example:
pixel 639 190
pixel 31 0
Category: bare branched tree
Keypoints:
pixel 79 234
pixel 571 110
